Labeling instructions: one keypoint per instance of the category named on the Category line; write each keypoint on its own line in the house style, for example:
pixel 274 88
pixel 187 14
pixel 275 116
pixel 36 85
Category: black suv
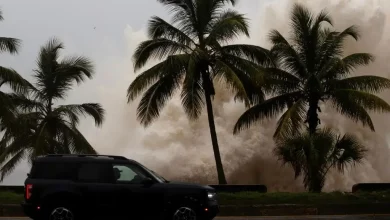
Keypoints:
pixel 69 187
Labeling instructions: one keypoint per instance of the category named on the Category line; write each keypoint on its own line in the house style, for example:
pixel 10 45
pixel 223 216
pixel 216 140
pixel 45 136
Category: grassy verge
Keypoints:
pixel 251 198
pixel 10 198
pixel 248 198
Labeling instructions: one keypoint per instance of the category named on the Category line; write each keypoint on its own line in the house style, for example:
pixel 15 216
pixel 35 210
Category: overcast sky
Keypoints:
pixel 95 28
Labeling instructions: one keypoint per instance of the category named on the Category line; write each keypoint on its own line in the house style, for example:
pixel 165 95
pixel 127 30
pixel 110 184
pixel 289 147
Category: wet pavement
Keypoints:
pixel 344 217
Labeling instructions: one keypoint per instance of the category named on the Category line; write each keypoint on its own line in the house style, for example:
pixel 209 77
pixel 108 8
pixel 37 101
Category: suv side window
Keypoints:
pixel 129 173
pixel 95 173
pixel 53 170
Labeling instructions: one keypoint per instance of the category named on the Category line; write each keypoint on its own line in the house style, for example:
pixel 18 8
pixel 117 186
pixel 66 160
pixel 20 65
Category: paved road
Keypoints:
pixel 349 217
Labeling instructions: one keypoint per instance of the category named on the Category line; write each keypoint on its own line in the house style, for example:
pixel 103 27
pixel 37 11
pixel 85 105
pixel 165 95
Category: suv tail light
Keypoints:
pixel 28 190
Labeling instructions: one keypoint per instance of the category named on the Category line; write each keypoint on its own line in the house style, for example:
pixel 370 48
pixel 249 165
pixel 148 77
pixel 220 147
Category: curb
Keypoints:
pixel 267 210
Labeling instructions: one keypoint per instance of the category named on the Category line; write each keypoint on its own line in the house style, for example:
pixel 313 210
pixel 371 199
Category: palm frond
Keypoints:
pixel 366 100
pixel 70 70
pixel 155 98
pixel 8 44
pixel 47 58
pixel 255 54
pixel 207 12
pixel 14 145
pixel 11 164
pixel 291 150
pixel 249 74
pixel 15 81
pixel 292 120
pixel 11 45
pixel 76 142
pixel 352 110
pixel 332 45
pixel 370 84
pixel 233 79
pixel 301 22
pixel 158 28
pixel 352 31
pixel 336 68
pixel 55 77
pixel 357 59
pixel 25 104
pixel 322 17
pixel 307 34
pixel 94 110
pixel 278 81
pixel 183 15
pixel 192 94
pixel 150 76
pixel 350 151
pixel 74 68
pixel 227 27
pixel 285 55
pixel 156 49
pixel 267 109
pixel 144 80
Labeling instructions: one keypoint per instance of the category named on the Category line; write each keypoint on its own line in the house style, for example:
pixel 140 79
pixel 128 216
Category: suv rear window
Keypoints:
pixel 57 170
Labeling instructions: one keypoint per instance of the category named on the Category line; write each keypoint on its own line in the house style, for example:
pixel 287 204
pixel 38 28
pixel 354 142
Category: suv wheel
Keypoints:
pixel 60 213
pixel 184 213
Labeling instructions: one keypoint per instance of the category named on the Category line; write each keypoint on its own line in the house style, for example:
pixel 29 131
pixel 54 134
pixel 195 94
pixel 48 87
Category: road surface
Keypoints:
pixel 344 217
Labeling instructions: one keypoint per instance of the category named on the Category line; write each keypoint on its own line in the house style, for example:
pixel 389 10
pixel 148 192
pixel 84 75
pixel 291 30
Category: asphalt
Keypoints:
pixel 344 217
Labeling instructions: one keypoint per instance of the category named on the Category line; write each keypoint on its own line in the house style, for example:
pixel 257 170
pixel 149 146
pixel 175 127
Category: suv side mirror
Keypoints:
pixel 148 181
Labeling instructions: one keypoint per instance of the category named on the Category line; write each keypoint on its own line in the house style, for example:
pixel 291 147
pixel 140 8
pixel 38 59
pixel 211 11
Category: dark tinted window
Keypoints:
pixel 129 173
pixel 95 173
pixel 53 170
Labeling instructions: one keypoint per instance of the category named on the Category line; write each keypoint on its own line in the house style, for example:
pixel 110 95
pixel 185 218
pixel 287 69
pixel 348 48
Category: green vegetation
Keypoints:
pixel 10 78
pixel 249 198
pixel 252 198
pixel 313 155
pixel 41 126
pixel 306 72
pixel 10 198
pixel 311 70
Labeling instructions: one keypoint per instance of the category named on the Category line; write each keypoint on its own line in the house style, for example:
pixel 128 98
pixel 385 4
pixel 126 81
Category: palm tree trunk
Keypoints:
pixel 214 140
pixel 316 183
pixel 209 91
pixel 312 115
pixel 52 146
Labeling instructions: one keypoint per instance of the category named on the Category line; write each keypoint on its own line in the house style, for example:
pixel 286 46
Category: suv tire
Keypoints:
pixel 60 211
pixel 184 213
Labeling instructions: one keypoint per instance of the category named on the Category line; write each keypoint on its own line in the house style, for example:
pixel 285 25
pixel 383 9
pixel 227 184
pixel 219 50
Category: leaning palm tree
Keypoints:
pixel 311 70
pixel 10 78
pixel 194 51
pixel 313 155
pixel 41 127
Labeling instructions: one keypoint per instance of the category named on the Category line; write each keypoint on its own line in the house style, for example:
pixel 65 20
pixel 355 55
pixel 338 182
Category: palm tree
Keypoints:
pixel 311 69
pixel 44 128
pixel 194 51
pixel 313 155
pixel 10 78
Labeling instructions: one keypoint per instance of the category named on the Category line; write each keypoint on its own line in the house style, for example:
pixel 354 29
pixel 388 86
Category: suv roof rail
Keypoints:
pixel 87 155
